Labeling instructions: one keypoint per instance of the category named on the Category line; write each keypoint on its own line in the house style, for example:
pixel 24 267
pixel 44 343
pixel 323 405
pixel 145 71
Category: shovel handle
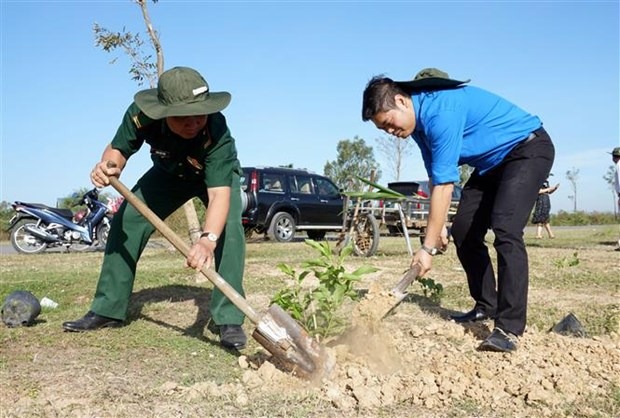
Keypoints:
pixel 408 278
pixel 184 249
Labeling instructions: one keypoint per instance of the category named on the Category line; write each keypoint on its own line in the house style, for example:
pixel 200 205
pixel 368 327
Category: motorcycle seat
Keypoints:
pixel 65 213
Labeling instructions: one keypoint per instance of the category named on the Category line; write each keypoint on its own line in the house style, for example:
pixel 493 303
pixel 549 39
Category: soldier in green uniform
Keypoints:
pixel 193 155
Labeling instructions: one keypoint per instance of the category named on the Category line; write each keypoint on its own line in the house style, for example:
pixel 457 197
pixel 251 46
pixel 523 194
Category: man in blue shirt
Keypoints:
pixel 512 155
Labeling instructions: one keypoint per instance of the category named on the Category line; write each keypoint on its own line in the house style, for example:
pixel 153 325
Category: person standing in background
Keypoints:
pixel 542 210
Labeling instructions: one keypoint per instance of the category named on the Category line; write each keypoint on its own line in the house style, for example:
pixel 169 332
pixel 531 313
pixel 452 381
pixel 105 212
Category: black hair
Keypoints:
pixel 379 96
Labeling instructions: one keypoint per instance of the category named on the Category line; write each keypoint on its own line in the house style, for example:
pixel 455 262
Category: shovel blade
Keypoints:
pixel 292 348
pixel 399 292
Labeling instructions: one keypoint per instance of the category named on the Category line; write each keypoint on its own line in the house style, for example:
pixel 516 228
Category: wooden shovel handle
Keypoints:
pixel 408 278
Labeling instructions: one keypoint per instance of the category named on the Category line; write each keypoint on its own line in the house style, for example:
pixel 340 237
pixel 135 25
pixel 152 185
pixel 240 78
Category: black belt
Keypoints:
pixel 534 135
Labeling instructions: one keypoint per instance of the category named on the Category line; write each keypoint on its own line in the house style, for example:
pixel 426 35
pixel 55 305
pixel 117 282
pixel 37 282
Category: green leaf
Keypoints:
pixel 315 263
pixel 376 195
pixel 352 277
pixel 365 270
pixel 346 251
pixel 321 247
pixel 380 187
pixel 286 269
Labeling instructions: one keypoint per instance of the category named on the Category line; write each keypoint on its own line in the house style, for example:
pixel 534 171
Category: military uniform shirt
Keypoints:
pixel 210 156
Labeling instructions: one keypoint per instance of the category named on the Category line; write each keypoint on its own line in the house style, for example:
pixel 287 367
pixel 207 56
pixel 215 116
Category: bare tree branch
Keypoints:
pixel 395 150
pixel 153 35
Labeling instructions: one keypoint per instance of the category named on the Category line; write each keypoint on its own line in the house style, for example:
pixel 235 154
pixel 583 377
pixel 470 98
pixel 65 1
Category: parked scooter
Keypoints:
pixel 36 227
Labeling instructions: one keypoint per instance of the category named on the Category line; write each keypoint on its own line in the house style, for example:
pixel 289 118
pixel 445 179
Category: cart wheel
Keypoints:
pixel 365 236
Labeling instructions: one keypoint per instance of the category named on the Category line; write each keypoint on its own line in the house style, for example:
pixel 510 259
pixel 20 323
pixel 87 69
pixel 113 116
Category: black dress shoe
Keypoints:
pixel 499 340
pixel 232 336
pixel 90 322
pixel 475 314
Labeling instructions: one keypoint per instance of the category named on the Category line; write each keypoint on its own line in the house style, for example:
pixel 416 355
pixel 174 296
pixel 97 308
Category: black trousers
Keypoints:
pixel 502 200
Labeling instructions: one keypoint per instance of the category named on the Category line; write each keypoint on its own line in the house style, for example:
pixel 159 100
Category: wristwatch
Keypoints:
pixel 431 251
pixel 210 236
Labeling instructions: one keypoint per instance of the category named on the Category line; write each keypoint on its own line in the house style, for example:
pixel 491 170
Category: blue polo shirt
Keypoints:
pixel 467 125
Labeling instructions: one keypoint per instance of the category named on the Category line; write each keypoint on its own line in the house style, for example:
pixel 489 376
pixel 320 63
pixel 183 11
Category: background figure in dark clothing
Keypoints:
pixel 542 209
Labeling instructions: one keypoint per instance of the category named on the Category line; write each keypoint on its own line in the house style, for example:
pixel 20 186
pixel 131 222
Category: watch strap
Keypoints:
pixel 431 251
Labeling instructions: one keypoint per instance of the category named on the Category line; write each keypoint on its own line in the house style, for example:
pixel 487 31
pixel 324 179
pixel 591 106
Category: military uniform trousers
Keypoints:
pixel 164 193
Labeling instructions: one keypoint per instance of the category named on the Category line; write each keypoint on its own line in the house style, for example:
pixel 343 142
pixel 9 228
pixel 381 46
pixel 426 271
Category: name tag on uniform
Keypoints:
pixel 160 153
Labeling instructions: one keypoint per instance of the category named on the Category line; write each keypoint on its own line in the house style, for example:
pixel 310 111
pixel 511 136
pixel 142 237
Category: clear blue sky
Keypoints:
pixel 296 71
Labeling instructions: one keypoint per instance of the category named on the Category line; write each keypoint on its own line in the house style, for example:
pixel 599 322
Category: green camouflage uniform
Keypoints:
pixel 182 169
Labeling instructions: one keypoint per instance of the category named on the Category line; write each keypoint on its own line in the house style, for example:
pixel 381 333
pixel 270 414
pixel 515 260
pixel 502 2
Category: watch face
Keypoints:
pixel 209 235
pixel 431 251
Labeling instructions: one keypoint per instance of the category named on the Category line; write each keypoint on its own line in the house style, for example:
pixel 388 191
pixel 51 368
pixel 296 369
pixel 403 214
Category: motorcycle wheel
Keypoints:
pixel 78 247
pixel 23 241
pixel 103 230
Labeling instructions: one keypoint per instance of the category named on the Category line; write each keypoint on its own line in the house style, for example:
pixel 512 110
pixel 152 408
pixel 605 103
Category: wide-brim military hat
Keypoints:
pixel 181 91
pixel 615 152
pixel 430 79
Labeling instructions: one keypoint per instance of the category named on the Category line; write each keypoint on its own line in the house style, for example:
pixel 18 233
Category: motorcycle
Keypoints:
pixel 35 227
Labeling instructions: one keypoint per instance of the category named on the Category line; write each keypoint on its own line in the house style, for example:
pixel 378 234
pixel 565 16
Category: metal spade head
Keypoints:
pixel 293 349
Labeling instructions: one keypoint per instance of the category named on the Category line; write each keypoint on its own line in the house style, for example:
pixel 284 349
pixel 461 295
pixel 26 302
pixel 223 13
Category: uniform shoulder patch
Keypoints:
pixel 140 120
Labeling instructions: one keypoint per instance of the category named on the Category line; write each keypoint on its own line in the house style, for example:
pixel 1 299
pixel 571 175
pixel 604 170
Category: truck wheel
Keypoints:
pixel 282 227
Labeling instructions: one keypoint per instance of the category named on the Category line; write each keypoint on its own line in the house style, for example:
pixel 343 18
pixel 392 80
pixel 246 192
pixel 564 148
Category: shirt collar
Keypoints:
pixel 415 101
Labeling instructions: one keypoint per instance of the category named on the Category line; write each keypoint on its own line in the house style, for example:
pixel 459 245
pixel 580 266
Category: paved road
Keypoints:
pixel 7 248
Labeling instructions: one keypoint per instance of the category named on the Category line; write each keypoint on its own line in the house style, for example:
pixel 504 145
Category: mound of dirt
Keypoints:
pixel 419 359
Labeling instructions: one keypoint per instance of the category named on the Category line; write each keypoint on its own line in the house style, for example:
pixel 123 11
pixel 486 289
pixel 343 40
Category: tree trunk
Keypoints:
pixel 189 208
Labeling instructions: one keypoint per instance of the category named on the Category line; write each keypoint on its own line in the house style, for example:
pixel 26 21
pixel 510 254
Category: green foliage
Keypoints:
pixel 563 218
pixel 567 261
pixel 6 213
pixel 355 159
pixel 317 306
pixel 431 289
pixel 142 68
pixel 383 193
pixel 72 201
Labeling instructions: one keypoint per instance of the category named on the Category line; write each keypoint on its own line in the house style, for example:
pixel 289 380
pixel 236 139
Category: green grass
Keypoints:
pixel 170 330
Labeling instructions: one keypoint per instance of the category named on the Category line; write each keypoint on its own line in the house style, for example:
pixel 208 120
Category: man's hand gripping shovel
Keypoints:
pixel 292 348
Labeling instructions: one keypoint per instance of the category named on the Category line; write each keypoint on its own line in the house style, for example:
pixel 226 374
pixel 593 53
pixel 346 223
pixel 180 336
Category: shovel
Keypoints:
pixel 399 292
pixel 292 348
